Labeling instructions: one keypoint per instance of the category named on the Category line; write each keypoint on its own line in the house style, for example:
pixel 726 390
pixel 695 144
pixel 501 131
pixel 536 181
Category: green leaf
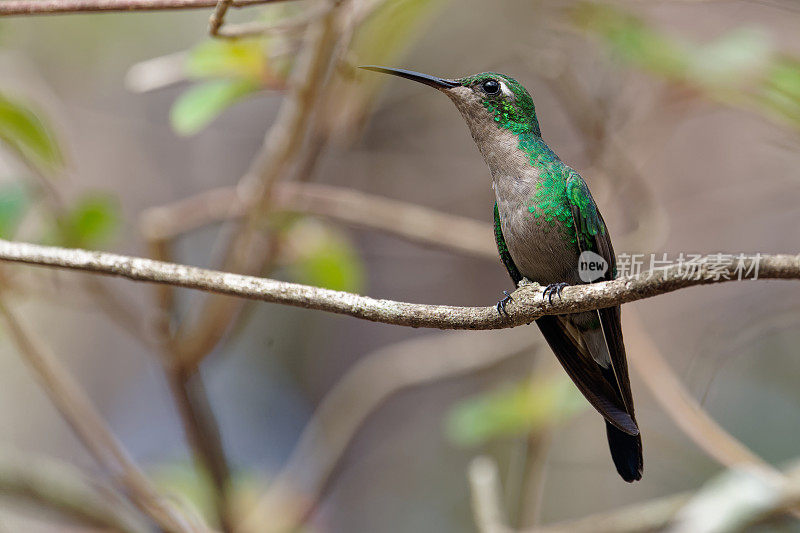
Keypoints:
pixel 243 59
pixel 14 203
pixel 324 257
pixel 631 39
pixel 202 103
pixel 91 223
pixel 26 133
pixel 514 409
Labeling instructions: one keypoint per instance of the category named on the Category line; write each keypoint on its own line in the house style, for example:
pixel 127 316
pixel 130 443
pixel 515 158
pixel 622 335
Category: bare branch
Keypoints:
pixel 652 515
pixel 527 305
pixel 407 220
pixel 10 8
pixel 218 16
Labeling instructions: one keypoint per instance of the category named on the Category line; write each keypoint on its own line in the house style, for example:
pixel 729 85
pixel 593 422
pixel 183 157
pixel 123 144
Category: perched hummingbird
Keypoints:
pixel 544 219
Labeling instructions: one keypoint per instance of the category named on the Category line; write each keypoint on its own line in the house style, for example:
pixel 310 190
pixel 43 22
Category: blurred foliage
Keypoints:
pixel 26 133
pixel 531 405
pixel 322 256
pixel 740 68
pixel 201 104
pixel 90 223
pixel 227 72
pixel 242 59
pixel 14 203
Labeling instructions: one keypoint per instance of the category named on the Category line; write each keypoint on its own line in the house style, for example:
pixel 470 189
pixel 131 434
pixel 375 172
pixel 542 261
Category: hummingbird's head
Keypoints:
pixel 487 101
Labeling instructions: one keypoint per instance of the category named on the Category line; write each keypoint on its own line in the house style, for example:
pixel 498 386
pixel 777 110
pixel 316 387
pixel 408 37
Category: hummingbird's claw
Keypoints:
pixel 553 288
pixel 501 304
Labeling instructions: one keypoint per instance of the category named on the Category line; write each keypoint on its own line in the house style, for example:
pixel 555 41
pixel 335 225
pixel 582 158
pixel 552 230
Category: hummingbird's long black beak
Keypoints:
pixel 433 81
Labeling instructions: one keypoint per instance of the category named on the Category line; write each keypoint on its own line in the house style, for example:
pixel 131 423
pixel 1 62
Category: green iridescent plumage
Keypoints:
pixel 561 190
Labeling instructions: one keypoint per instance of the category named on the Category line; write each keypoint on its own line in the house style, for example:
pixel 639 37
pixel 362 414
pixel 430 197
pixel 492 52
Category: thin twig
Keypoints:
pixel 89 425
pixel 533 477
pixel 9 8
pixel 652 515
pixel 256 28
pixel 526 306
pixel 660 513
pixel 484 483
pixel 58 486
pixel 218 16
pixel 202 432
pixel 407 220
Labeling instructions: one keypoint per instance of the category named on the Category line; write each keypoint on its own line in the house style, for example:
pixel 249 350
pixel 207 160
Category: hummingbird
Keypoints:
pixel 545 221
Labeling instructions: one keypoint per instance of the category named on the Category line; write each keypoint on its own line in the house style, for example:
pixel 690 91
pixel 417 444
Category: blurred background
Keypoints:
pixel 683 117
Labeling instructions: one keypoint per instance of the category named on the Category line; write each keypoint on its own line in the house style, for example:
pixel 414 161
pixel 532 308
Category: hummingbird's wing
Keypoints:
pixel 592 234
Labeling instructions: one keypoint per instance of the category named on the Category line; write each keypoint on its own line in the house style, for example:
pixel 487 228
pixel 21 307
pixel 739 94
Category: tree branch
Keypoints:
pixel 526 306
pixel 10 8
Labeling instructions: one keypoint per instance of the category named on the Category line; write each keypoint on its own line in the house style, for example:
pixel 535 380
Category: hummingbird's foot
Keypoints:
pixel 501 305
pixel 553 288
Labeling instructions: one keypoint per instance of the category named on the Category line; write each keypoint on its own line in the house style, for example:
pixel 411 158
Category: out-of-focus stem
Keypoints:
pixel 88 425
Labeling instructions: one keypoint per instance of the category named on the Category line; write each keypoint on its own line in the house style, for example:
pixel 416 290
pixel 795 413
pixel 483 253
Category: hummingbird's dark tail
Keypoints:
pixel 626 451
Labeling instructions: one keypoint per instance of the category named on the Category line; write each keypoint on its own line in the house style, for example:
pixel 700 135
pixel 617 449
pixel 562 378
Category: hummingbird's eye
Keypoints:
pixel 490 87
